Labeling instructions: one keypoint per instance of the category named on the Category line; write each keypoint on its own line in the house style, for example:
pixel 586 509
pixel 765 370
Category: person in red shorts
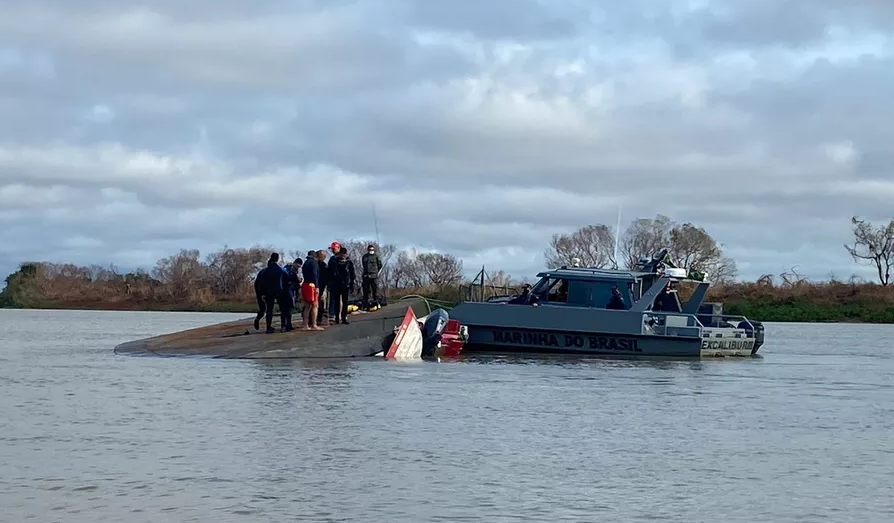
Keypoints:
pixel 310 291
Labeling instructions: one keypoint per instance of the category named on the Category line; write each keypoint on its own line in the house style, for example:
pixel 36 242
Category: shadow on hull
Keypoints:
pixel 488 353
pixel 477 349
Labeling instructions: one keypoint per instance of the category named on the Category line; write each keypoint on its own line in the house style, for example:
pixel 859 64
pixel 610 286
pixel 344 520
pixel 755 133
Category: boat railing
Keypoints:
pixel 672 324
pixel 730 321
pixel 683 324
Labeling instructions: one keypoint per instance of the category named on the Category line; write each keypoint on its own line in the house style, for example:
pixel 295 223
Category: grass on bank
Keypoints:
pixel 799 302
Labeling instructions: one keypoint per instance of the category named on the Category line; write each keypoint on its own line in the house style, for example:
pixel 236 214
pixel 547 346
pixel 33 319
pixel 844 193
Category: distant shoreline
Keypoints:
pixel 210 308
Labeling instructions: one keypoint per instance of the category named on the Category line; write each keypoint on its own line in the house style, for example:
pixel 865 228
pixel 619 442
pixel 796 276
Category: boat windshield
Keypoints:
pixel 558 290
pixel 551 289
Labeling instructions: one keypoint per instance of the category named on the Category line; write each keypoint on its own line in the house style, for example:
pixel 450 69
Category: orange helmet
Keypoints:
pixel 334 247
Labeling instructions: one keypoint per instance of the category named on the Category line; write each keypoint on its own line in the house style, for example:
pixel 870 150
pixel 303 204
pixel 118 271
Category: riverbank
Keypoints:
pixel 799 301
pixel 761 310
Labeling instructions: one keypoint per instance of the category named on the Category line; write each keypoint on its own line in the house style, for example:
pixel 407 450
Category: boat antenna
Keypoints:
pixel 617 235
pixel 376 223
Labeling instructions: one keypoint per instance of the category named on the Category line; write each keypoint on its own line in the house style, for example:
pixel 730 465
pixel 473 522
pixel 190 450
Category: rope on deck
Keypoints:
pixel 446 305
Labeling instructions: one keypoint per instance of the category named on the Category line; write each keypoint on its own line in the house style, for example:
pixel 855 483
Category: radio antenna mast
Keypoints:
pixel 617 236
pixel 376 223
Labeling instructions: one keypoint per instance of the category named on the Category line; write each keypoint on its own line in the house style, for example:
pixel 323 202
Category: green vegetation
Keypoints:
pixel 806 312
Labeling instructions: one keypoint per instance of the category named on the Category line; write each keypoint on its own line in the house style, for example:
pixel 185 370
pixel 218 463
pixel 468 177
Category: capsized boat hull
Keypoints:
pixel 363 337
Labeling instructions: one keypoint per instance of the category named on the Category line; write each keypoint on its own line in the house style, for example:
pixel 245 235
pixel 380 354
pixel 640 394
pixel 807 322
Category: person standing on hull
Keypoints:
pixel 334 247
pixel 291 284
pixel 370 265
pixel 341 284
pixel 324 285
pixel 269 286
pixel 310 291
pixel 259 295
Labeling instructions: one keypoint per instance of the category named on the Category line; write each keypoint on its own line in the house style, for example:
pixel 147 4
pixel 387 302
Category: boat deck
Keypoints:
pixel 362 337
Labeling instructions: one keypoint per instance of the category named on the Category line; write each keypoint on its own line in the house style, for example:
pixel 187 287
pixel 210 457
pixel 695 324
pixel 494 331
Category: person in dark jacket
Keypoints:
pixel 269 285
pixel 616 302
pixel 334 247
pixel 262 305
pixel 341 284
pixel 370 265
pixel 287 296
pixel 322 311
pixel 523 298
pixel 310 291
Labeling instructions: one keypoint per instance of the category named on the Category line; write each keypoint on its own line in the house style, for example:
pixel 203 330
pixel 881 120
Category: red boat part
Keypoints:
pixel 452 340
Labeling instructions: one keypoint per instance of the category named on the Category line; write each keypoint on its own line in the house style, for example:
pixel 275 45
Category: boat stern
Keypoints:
pixel 733 337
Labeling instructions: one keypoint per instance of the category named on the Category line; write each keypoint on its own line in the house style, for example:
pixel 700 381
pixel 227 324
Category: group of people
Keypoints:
pixel 308 280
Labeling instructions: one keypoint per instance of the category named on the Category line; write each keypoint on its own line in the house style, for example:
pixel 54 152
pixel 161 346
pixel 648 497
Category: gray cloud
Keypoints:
pixel 476 128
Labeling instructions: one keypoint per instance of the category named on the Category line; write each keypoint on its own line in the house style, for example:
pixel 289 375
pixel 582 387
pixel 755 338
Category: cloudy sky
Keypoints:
pixel 476 127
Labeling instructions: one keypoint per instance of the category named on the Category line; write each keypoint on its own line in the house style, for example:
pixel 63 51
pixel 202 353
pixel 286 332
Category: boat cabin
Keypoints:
pixel 614 289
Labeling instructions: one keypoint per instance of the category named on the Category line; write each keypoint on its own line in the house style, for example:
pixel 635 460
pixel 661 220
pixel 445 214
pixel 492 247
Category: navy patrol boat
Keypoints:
pixel 579 310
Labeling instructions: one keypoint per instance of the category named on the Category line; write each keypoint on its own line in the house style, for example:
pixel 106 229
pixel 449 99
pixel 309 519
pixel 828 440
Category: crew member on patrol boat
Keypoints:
pixel 616 302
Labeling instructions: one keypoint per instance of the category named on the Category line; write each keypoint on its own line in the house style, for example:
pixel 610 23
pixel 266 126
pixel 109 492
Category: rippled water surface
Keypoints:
pixel 803 434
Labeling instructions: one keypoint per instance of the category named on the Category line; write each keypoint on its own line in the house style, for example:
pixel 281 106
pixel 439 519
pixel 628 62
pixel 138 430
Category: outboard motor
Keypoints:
pixel 757 333
pixel 431 331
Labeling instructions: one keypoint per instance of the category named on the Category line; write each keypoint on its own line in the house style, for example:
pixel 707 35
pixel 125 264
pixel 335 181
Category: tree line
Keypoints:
pixel 692 247
pixel 187 279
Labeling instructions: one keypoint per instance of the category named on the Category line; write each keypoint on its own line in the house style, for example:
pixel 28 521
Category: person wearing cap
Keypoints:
pixel 370 266
pixel 310 292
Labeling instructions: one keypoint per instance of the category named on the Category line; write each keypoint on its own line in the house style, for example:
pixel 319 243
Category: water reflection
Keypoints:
pixel 87 436
pixel 570 360
pixel 296 382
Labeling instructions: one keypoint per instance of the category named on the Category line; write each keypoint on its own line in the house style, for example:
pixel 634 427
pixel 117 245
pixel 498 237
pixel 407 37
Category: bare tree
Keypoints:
pixel 873 245
pixel 645 237
pixel 689 246
pixel 498 280
pixel 407 271
pixel 182 272
pixel 723 271
pixel 693 248
pixel 441 269
pixel 593 244
pixel 230 271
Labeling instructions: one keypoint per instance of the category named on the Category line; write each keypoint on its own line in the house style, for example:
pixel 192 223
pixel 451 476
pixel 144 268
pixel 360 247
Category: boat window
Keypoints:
pixel 539 288
pixel 558 290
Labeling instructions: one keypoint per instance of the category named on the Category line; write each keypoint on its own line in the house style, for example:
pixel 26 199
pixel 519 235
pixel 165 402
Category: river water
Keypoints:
pixel 802 434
